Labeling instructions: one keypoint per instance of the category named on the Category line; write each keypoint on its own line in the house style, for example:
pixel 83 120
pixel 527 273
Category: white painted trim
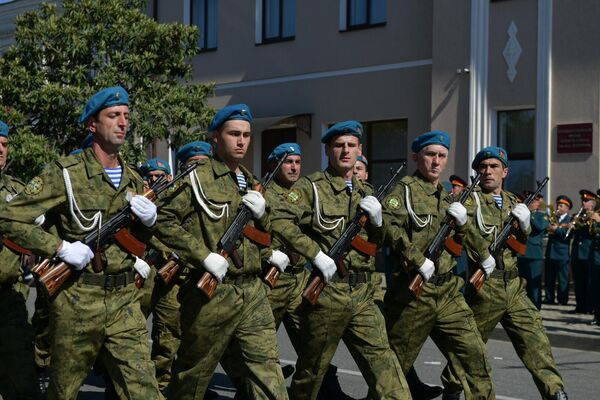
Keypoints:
pixel 258 19
pixel 187 13
pixel 543 112
pixel 343 15
pixel 479 132
pixel 326 74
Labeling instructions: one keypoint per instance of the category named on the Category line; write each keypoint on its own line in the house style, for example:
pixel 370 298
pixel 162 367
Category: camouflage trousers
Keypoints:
pixel 285 300
pixel 348 313
pixel 161 301
pixel 237 312
pixel 18 379
pixel 41 328
pixel 90 322
pixel 507 303
pixel 441 313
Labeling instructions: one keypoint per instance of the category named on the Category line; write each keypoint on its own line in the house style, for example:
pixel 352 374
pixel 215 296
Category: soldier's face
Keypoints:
pixel 290 170
pixel 232 140
pixel 431 161
pixel 493 173
pixel 110 127
pixel 588 205
pixel 3 151
pixel 360 171
pixel 562 208
pixel 342 151
pixel 457 190
pixel 153 176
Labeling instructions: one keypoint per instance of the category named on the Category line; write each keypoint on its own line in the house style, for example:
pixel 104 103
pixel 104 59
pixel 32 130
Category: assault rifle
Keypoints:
pixel 227 244
pixel 170 270
pixel 506 237
pixel 55 272
pixel 349 238
pixel 442 240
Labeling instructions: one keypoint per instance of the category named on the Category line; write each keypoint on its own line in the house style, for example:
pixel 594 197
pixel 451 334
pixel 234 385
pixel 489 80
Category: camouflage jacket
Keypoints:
pixel 10 261
pixel 477 241
pixel 302 220
pixel 187 228
pixel 92 190
pixel 410 233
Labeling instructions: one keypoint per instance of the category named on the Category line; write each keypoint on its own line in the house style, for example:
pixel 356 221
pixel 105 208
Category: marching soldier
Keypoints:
pixel 413 212
pixel 16 345
pixel 194 151
pixel 557 253
pixel 94 315
pixel 191 222
pixel 313 216
pixel 530 265
pixel 502 298
pixel 581 254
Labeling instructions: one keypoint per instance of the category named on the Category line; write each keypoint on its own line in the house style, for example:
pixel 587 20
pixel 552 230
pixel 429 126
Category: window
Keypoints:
pixel 365 13
pixel 278 20
pixel 516 133
pixel 385 145
pixel 204 15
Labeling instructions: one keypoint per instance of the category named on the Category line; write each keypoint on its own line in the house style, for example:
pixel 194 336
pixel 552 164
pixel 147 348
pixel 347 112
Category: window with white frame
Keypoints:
pixel 205 16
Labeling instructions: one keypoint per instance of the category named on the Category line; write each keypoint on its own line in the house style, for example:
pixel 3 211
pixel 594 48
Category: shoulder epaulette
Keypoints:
pixel 69 161
pixel 315 176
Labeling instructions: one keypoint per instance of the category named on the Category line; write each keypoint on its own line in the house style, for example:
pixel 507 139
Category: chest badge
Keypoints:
pixel 34 186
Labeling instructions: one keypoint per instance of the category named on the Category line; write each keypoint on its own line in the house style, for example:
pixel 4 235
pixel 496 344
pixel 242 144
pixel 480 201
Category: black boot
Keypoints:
pixel 287 370
pixel 451 396
pixel 560 395
pixel 330 388
pixel 420 390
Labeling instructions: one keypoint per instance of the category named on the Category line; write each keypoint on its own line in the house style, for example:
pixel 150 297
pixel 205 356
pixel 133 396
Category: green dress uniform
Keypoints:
pixel 530 265
pixel 503 298
pixel 17 369
pixel 94 315
pixel 312 218
pixel 440 311
pixel 557 264
pixel 596 271
pixel 581 264
pixel 191 223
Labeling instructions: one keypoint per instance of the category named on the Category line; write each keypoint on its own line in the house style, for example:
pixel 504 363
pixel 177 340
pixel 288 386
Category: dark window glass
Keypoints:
pixel 365 13
pixel 516 133
pixel 205 16
pixel 279 20
pixel 385 145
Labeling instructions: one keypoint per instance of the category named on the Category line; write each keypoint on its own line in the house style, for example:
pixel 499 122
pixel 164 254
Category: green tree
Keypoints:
pixel 64 55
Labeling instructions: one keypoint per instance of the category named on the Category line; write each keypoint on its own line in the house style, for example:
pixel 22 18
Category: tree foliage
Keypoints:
pixel 63 56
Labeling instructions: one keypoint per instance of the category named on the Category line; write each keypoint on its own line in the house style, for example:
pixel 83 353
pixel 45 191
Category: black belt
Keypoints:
pixel 506 275
pixel 439 280
pixel 353 278
pixel 239 280
pixel 295 271
pixel 108 282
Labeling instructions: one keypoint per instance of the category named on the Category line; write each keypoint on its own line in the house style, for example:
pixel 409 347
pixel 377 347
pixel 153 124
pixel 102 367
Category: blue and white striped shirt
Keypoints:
pixel 498 199
pixel 241 181
pixel 114 174
pixel 349 184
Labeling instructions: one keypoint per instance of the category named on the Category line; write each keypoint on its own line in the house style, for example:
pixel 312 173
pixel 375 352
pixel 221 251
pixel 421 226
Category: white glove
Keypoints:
pixel 427 269
pixel 325 264
pixel 76 254
pixel 142 267
pixel 279 259
pixel 522 213
pixel 144 209
pixel 255 202
pixel 458 212
pixel 373 207
pixel 488 265
pixel 216 265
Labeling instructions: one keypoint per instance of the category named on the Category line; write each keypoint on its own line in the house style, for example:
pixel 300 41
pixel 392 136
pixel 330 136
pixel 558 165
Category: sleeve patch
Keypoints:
pixel 392 202
pixel 34 186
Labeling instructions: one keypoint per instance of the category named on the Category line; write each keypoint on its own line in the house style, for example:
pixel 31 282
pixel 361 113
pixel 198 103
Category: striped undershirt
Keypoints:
pixel 349 184
pixel 241 179
pixel 114 174
pixel 498 199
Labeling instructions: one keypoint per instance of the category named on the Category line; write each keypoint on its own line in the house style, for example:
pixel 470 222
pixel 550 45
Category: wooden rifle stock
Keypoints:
pixel 208 283
pixel 56 276
pixel 416 286
pixel 477 279
pixel 314 288
pixel 169 271
pixel 271 276
pixel 41 268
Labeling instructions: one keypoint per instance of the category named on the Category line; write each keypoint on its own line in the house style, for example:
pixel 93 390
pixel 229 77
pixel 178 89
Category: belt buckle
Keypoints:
pixel 108 282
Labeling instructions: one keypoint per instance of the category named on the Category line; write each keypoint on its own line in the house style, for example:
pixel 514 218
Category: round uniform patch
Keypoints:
pixel 293 196
pixel 392 202
pixel 34 186
pixel 469 201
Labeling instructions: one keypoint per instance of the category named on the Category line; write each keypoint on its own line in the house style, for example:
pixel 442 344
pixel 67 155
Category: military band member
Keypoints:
pixel 595 222
pixel 16 345
pixel 95 315
pixel 502 299
pixel 413 212
pixel 557 254
pixel 191 222
pixel 581 254
pixel 312 218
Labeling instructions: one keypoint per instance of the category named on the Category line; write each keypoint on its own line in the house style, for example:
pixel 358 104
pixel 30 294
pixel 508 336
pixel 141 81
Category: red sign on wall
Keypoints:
pixel 574 138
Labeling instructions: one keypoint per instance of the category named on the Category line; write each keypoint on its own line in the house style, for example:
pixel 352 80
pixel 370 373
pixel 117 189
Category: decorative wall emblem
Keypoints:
pixel 512 52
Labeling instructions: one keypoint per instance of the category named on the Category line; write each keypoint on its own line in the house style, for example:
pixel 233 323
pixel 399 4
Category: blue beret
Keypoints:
pixel 112 96
pixel 192 149
pixel 76 151
pixel 234 111
pixel 3 129
pixel 490 152
pixel 433 137
pixel 87 142
pixel 155 164
pixel 293 149
pixel 363 159
pixel 353 128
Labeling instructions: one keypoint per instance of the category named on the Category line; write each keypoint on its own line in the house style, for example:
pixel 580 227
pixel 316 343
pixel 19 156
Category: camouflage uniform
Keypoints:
pixel 93 315
pixel 17 368
pixel 440 311
pixel 503 298
pixel 239 310
pixel 345 309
